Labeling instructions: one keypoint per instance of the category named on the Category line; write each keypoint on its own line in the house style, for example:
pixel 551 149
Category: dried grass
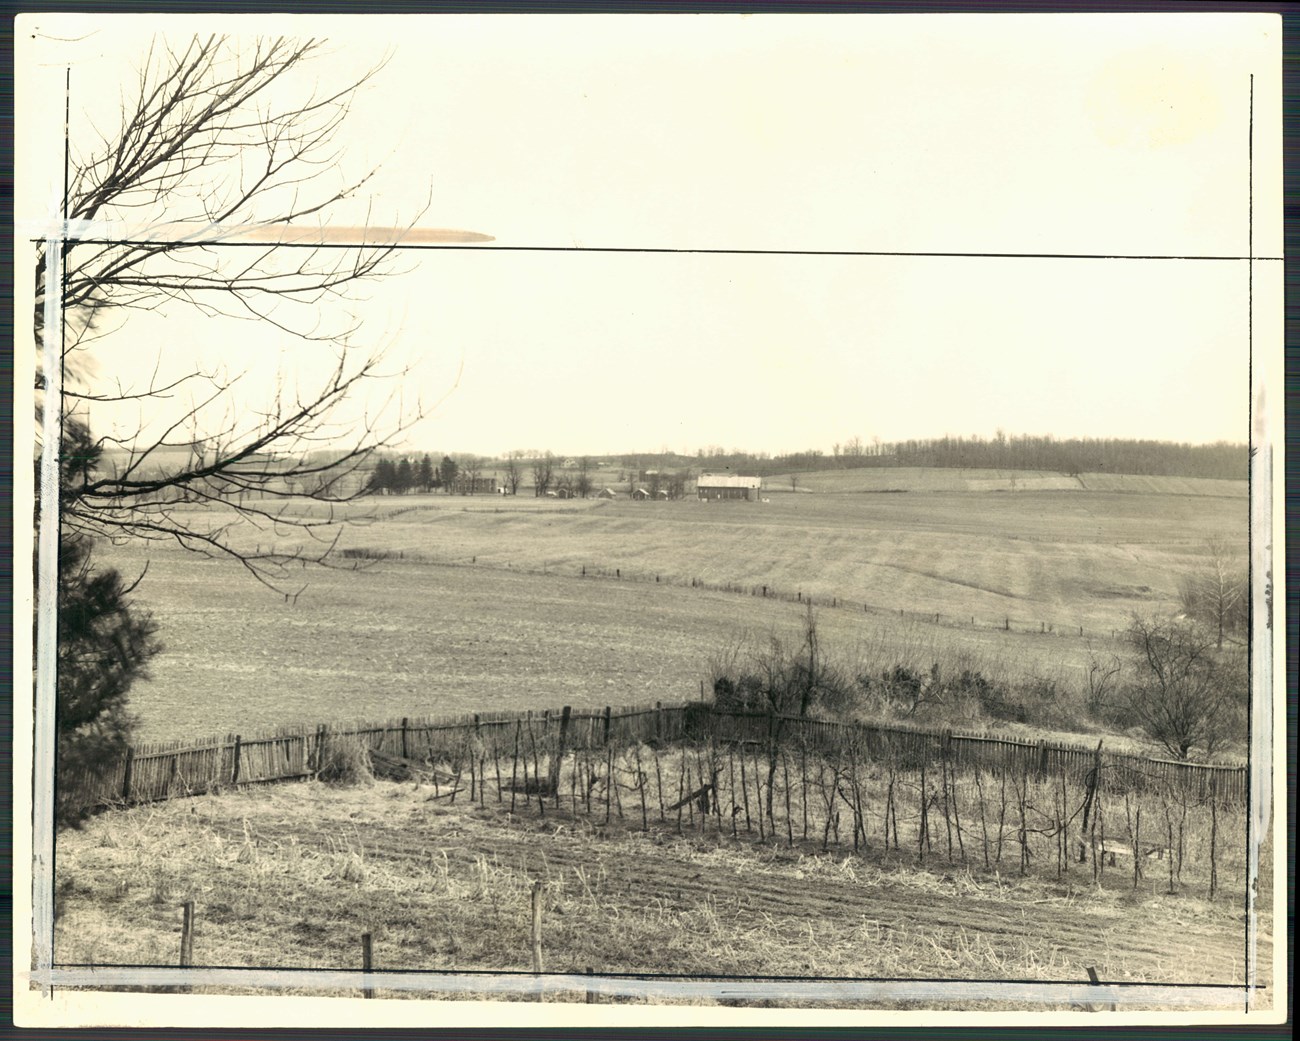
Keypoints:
pixel 345 761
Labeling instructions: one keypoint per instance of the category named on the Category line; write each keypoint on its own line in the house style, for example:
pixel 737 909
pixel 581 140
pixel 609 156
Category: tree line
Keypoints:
pixel 399 476
pixel 1223 460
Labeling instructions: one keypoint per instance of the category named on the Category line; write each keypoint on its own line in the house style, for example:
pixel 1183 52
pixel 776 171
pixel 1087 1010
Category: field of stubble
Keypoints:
pixel 482 602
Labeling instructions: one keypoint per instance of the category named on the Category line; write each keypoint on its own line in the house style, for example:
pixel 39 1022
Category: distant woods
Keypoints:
pixel 1015 452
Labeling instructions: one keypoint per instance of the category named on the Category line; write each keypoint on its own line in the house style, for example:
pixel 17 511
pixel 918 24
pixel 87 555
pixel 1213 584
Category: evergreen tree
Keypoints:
pixel 405 477
pixel 383 478
pixel 104 646
pixel 425 478
pixel 448 470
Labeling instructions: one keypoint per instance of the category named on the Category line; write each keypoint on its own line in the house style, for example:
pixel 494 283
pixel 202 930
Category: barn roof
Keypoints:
pixel 727 481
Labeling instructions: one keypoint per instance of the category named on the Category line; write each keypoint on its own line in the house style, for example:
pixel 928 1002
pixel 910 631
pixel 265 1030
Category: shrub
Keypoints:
pixel 345 761
pixel 1182 692
pixel 786 677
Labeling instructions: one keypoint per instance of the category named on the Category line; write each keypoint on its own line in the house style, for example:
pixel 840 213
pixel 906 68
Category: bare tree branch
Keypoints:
pixel 219 133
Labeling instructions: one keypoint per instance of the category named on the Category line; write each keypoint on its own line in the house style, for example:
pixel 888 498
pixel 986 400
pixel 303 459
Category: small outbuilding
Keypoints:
pixel 607 493
pixel 640 494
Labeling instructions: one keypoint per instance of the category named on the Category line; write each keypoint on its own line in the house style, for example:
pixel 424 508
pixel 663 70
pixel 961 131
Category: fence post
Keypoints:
pixel 366 963
pixel 187 934
pixel 537 926
pixel 659 721
pixel 405 755
pixel 126 777
pixel 234 769
pixel 1042 759
pixel 608 710
pixel 559 752
pixel 1096 982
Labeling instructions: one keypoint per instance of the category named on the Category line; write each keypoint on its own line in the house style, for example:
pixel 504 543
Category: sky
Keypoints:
pixel 1061 134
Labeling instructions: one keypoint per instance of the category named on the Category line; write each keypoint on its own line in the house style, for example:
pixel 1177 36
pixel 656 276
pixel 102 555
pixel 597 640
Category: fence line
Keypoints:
pixel 150 772
pixel 981 622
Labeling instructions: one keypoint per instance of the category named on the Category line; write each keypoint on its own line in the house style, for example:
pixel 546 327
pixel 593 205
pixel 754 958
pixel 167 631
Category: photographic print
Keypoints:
pixel 596 519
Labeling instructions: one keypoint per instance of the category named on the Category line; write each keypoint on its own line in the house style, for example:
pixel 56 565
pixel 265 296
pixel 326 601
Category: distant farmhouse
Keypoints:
pixel 728 486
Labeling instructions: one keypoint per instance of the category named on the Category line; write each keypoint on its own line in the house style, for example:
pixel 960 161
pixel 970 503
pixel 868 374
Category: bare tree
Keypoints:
pixel 514 472
pixel 1105 671
pixel 471 469
pixel 219 134
pixel 583 483
pixel 543 473
pixel 1182 694
pixel 784 679
pixel 1217 593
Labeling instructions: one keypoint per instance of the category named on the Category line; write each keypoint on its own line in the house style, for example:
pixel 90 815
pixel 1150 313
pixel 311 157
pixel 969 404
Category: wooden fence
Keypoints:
pixel 469 743
pixel 909 747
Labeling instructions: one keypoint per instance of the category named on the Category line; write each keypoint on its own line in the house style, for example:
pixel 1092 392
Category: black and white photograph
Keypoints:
pixel 606 519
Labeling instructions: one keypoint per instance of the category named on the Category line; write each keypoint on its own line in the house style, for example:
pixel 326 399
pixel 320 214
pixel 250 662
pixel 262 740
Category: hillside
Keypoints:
pixel 483 602
pixel 951 479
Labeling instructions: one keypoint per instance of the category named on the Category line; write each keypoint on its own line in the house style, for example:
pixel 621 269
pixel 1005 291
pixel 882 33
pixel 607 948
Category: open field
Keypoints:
pixel 1062 558
pixel 292 875
pixel 948 479
pixel 482 602
pixel 408 638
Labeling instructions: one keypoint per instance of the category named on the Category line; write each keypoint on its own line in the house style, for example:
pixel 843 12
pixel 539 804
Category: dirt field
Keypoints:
pixel 290 876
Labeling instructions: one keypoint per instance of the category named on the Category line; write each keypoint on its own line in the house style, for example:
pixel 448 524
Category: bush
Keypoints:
pixel 785 677
pixel 1182 692
pixel 741 693
pixel 345 761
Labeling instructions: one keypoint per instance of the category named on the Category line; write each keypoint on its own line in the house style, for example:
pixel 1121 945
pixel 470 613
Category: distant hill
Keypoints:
pixel 955 479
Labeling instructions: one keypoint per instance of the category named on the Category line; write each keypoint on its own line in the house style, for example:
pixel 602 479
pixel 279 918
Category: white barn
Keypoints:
pixel 728 486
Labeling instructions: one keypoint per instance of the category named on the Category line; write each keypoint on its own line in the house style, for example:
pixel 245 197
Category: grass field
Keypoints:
pixel 470 604
pixel 292 875
pixel 1063 558
pixel 408 638
pixel 483 603
pixel 948 479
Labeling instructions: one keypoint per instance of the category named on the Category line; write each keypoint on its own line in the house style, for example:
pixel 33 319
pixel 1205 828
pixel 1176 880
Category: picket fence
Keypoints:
pixel 153 772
